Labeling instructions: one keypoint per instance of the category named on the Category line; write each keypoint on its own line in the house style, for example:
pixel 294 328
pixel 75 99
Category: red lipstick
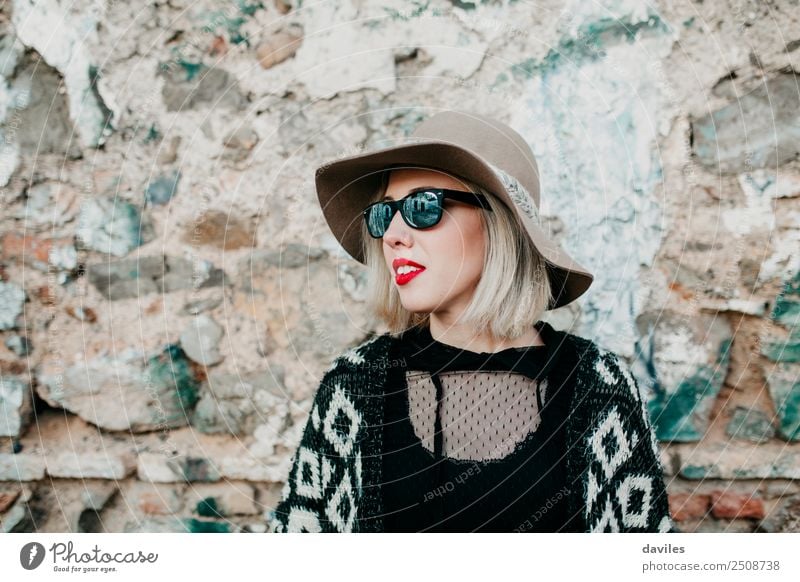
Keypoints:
pixel 402 279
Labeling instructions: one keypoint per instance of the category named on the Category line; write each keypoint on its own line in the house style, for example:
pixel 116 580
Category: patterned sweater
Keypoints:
pixel 612 462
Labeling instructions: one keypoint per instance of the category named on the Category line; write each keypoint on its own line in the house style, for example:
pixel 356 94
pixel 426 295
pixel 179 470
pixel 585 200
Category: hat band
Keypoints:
pixel 518 193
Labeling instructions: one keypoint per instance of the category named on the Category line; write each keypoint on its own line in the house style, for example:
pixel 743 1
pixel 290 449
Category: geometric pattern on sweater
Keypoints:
pixel 325 460
pixel 613 469
pixel 625 502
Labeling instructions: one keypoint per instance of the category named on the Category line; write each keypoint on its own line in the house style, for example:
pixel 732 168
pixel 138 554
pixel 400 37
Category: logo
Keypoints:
pixel 31 555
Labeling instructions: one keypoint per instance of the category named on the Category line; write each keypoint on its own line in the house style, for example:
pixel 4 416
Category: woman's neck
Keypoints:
pixel 467 338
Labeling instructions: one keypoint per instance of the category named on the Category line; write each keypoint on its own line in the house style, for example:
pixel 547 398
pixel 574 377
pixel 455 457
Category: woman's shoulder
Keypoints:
pixel 597 367
pixel 368 354
pixel 356 372
pixel 574 351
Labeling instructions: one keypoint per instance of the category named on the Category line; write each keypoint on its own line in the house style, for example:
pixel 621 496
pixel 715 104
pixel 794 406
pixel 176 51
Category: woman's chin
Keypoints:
pixel 415 306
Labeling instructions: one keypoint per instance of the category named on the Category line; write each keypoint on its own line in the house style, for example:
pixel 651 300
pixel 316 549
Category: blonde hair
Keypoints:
pixel 514 290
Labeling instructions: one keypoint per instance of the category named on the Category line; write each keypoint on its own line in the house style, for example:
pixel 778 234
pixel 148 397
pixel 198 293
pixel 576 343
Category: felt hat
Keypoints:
pixel 467 145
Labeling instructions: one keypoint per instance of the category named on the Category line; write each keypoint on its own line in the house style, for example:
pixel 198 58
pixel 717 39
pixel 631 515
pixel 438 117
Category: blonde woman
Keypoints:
pixel 470 413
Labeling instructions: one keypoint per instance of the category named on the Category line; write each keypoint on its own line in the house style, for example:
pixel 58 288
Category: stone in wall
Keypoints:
pixel 782 348
pixel 200 340
pixel 347 68
pixel 12 299
pixel 201 305
pixel 89 465
pixel 239 143
pixel 751 425
pixel 250 467
pixel 757 130
pixel 15 405
pixel 683 363
pixel 785 520
pixel 94 497
pixel 754 461
pixel 15 100
pixel 686 506
pixel 131 278
pixel 237 404
pixel 160 468
pixel 21 467
pixel 48 206
pixel 786 312
pixel 112 226
pixel 204 466
pixel 731 505
pixel 67 51
pixel 125 391
pixel 47 254
pixel 279 46
pixel 43 111
pixel 190 85
pixel 770 195
pixel 17 517
pixel 220 230
pixel 161 189
pixel 9 493
pixel 784 388
pixel 154 499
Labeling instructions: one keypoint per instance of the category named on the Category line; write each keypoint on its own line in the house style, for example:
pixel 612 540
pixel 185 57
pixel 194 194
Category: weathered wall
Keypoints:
pixel 170 295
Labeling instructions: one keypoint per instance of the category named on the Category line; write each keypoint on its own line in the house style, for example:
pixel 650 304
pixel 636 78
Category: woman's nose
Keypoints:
pixel 398 232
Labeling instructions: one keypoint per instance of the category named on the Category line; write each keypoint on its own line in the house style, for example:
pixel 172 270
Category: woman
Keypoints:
pixel 470 414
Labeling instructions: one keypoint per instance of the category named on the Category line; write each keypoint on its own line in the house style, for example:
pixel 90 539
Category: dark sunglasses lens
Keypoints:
pixel 423 209
pixel 378 219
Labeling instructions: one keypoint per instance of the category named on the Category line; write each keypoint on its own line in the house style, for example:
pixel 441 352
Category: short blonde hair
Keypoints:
pixel 514 290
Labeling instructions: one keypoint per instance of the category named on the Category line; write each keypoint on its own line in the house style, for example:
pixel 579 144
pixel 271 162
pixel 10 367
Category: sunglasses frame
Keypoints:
pixel 472 198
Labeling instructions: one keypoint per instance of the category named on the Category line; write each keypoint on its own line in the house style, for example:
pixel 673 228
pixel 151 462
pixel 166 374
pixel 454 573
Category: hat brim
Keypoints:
pixel 345 187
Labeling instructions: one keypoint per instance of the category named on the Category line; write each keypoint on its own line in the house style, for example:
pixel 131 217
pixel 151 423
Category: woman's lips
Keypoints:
pixel 406 277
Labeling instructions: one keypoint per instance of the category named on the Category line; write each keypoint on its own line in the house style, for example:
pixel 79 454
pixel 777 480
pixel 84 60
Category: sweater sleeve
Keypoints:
pixel 626 491
pixel 319 493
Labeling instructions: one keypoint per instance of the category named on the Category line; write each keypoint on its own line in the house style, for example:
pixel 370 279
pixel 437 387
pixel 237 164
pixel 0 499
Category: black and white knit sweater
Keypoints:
pixel 334 484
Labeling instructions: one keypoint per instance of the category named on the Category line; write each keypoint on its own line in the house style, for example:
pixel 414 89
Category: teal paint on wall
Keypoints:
pixel 587 45
pixel 750 425
pixel 232 24
pixel 784 378
pixel 783 350
pixel 192 69
pixel 683 415
pixel 786 310
pixel 784 387
pixel 695 471
pixel 172 368
pixel 208 508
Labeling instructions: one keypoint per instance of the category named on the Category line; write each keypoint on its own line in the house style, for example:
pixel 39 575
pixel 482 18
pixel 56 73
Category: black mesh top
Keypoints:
pixel 474 441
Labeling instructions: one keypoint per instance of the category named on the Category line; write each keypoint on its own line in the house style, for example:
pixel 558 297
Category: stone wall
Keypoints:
pixel 170 294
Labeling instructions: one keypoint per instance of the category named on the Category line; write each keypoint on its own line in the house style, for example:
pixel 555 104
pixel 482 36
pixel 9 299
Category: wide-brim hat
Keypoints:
pixel 470 146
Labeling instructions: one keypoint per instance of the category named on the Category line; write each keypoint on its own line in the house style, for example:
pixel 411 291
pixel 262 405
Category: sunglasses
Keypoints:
pixel 422 208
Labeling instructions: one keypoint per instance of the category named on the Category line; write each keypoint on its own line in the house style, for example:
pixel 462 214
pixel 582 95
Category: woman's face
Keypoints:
pixel 451 252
